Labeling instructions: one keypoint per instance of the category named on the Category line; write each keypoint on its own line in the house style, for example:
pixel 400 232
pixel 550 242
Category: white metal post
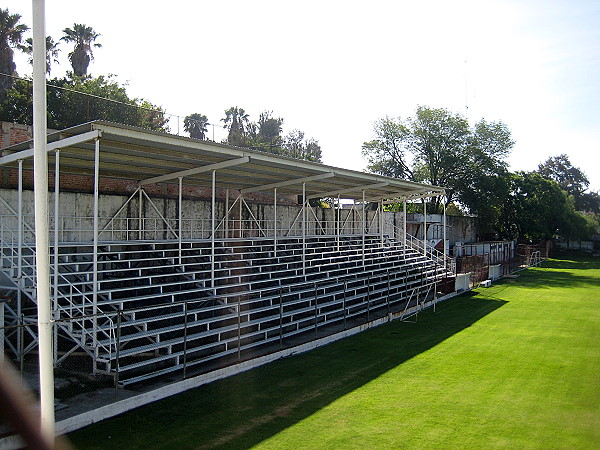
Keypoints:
pixel 240 210
pixel 20 253
pixel 444 236
pixel 275 222
pixel 364 219
pixel 212 227
pixel 338 218
pixel 95 257
pixel 140 222
pixel 404 223
pixel 180 231
pixel 40 171
pixel 56 229
pixel 424 227
pixel 227 212
pixel 304 228
pixel 380 207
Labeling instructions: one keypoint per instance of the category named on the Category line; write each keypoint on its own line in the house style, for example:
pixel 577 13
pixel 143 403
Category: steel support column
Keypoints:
pixel 20 254
pixel 275 222
pixel 140 211
pixel 95 256
pixel 56 230
pixel 424 227
pixel 444 236
pixel 380 207
pixel 180 203
pixel 240 211
pixel 40 186
pixel 404 227
pixel 226 217
pixel 364 220
pixel 338 218
pixel 212 228
pixel 304 228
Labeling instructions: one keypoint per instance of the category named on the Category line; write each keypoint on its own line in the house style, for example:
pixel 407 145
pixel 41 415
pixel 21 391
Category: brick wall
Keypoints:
pixel 13 133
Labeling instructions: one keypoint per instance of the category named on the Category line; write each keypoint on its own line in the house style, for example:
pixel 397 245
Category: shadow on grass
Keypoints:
pixel 578 263
pixel 561 274
pixel 243 410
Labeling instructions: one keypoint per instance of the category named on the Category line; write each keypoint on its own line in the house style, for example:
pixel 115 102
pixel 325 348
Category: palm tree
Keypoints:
pixel 195 124
pixel 83 37
pixel 52 51
pixel 236 120
pixel 11 34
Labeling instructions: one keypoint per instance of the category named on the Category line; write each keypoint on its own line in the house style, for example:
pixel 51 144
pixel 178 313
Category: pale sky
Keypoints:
pixel 331 68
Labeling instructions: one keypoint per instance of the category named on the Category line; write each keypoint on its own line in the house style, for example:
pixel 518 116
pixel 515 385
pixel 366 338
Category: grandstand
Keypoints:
pixel 176 256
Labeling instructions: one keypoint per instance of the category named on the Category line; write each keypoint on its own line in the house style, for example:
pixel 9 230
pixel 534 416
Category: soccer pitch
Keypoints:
pixel 516 365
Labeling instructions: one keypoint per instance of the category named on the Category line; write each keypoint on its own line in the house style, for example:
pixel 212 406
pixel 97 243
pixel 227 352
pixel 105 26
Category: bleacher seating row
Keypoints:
pixel 162 306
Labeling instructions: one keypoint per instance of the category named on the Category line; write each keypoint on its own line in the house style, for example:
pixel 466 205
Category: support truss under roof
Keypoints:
pixel 153 157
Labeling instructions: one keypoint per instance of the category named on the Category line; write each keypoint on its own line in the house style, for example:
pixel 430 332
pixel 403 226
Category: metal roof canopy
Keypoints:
pixel 148 157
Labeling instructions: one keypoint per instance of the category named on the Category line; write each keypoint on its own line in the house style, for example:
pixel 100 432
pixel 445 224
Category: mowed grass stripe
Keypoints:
pixel 516 365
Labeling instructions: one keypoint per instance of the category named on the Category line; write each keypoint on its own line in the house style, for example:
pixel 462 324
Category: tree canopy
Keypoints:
pixel 73 100
pixel 11 35
pixel 52 51
pixel 440 148
pixel 196 125
pixel 572 180
pixel 265 135
pixel 82 37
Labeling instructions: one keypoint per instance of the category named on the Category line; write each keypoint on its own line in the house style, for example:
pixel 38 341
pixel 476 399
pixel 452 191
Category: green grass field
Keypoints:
pixel 516 365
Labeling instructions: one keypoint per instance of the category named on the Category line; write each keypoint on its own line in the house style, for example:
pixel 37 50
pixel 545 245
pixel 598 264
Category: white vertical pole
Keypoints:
pixel 404 227
pixel 304 228
pixel 40 171
pixel 380 206
pixel 444 238
pixel 212 227
pixel 240 209
pixel 338 210
pixel 180 231
pixel 95 257
pixel 56 229
pixel 275 222
pixel 227 212
pixel 424 227
pixel 20 254
pixel 140 222
pixel 364 218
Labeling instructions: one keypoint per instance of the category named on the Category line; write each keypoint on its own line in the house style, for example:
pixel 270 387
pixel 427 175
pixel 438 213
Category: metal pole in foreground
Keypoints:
pixel 40 186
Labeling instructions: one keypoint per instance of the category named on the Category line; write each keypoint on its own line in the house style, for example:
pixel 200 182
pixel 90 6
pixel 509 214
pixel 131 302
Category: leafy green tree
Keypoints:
pixel 74 100
pixel 83 38
pixel 296 146
pixel 150 116
pixel 590 201
pixel 16 105
pixel 11 35
pixel 196 125
pixel 266 133
pixel 236 121
pixel 438 147
pixel 535 208
pixel 571 179
pixel 52 51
